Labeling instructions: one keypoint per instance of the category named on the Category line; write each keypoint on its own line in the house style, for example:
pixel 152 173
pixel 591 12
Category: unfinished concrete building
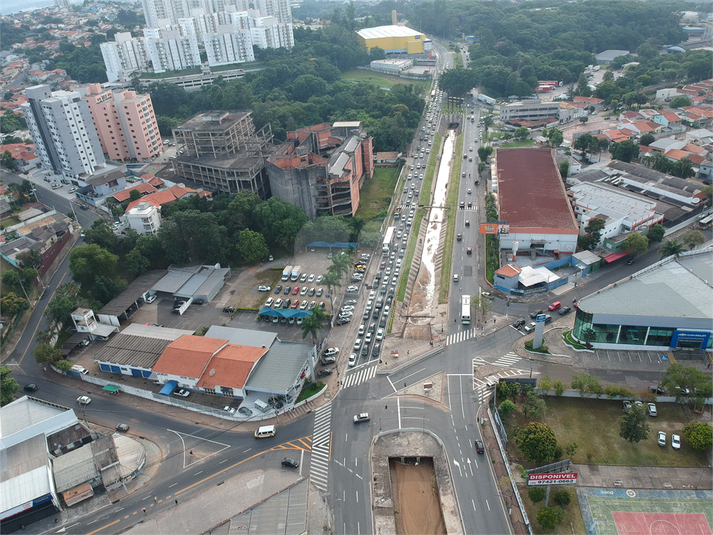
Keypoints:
pixel 321 168
pixel 222 151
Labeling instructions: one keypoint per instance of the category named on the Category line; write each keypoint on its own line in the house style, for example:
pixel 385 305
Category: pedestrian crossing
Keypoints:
pixel 480 385
pixel 321 446
pixel 359 376
pixel 507 360
pixel 462 336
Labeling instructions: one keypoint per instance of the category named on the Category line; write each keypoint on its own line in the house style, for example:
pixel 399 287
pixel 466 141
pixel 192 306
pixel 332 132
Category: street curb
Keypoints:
pixel 414 360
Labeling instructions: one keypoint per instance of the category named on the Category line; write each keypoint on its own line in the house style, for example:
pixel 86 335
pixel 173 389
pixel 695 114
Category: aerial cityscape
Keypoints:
pixel 369 267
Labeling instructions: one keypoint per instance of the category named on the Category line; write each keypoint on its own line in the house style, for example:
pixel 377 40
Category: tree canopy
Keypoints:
pixel 537 442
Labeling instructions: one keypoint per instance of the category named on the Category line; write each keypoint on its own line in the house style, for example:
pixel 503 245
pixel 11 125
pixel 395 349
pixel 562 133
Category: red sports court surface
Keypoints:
pixel 661 523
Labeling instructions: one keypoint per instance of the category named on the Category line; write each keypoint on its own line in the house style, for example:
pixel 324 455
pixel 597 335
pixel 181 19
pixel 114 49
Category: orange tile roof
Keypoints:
pixel 617 135
pixel 693 148
pixel 231 366
pixel 156 182
pixel 671 117
pixel 163 197
pixel 591 100
pixel 509 271
pixel 647 126
pixel 696 159
pixel 188 356
pixel 677 154
pixel 123 195
pixel 179 192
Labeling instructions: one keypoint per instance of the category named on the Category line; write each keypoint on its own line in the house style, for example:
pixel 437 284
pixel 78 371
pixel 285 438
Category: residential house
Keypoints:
pixel 668 119
pixel 598 103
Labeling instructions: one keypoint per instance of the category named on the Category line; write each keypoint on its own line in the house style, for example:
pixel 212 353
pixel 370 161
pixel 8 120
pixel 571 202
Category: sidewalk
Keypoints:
pixel 643 477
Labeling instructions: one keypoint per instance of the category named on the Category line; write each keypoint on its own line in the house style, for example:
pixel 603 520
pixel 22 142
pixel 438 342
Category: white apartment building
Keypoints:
pixel 280 9
pixel 144 218
pixel 227 36
pixel 159 13
pixel 62 129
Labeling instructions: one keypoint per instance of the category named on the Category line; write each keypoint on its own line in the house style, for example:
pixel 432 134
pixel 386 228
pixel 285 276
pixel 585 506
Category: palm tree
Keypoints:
pixel 357 224
pixel 669 248
pixel 312 324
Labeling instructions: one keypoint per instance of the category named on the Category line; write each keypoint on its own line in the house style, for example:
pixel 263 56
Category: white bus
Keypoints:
pixel 465 315
pixel 388 238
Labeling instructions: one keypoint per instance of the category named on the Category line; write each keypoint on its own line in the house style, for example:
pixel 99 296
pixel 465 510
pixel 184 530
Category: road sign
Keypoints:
pixel 568 478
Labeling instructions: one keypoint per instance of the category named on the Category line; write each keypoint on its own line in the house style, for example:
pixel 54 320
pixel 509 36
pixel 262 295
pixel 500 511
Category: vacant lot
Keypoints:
pixel 572 512
pixel 518 144
pixel 246 294
pixel 592 425
pixel 377 192
pixel 380 80
pixel 416 505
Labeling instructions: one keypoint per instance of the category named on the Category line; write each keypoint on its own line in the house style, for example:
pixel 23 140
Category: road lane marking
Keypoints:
pixel 392 384
pixel 173 485
pixel 198 473
pixel 100 529
pixel 473 502
pixel 486 503
pixel 223 461
pixel 398 407
pixel 357 496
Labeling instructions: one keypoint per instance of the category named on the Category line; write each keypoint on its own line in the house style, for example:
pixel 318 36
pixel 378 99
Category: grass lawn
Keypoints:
pixel 592 425
pixel 309 390
pixel 572 512
pixel 376 195
pixel 516 144
pixel 8 222
pixel 457 60
pixel 250 297
pixel 451 200
pixel 381 80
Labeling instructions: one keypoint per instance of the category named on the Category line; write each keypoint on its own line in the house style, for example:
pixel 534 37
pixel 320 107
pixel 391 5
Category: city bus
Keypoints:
pixel 706 222
pixel 465 314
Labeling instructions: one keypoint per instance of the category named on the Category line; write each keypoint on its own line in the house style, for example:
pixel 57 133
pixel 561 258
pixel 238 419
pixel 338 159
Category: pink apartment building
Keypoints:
pixel 125 122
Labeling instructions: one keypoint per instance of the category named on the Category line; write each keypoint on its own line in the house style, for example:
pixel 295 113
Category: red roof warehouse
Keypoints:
pixel 533 201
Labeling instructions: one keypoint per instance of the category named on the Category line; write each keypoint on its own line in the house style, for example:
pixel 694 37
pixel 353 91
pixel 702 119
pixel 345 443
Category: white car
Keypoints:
pixel 357 344
pixel 361 330
pixel 652 409
pixel 320 279
pixel 331 351
pixel 352 289
pixel 676 442
pixel 263 288
pixel 151 298
pixel 367 338
pixel 347 308
pixel 352 360
pixel 310 278
pixel 662 438
pixel 379 335
pixel 182 393
pixel 84 400
pixel 269 302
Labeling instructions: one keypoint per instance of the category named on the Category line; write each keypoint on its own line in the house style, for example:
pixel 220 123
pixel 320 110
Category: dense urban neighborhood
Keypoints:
pixel 407 268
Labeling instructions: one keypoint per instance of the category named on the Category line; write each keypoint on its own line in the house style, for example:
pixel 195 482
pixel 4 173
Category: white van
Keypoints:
pixel 260 404
pixel 265 431
pixel 79 369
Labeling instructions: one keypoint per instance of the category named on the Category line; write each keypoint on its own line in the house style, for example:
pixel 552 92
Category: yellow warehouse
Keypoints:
pixel 393 39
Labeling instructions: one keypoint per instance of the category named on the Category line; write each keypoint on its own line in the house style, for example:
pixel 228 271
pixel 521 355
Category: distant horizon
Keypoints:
pixel 20 6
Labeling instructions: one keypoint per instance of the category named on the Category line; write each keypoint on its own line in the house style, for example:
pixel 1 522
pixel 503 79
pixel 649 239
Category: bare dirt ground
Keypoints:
pixel 416 499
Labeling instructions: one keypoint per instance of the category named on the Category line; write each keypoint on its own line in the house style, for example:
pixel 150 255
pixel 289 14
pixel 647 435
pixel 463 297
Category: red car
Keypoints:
pixel 295 290
pixel 383 265
pixel 295 304
pixel 554 306
pixel 469 250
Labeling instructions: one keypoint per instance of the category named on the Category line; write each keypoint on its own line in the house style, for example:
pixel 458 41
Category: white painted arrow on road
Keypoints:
pixel 458 465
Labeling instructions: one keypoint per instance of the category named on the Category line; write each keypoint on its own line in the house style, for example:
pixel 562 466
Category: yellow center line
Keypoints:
pixel 104 527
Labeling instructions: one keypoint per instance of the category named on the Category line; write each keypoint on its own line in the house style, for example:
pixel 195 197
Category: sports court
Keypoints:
pixel 646 512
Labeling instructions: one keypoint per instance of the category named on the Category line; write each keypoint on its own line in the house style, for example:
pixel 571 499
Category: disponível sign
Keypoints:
pixel 567 478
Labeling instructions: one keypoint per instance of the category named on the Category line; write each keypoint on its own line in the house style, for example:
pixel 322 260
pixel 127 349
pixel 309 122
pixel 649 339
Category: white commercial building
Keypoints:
pixel 145 218
pixel 62 129
pixel 529 110
pixel 621 211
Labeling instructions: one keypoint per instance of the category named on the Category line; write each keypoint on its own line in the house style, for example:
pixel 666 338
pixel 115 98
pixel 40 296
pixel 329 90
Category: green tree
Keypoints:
pixel 564 169
pixel 536 494
pixel 693 239
pixel 534 405
pixel 635 244
pixel 571 449
pixel 30 259
pixel 680 102
pixel 549 517
pixel 484 152
pixel 279 221
pixel 563 497
pixel 521 133
pixel 546 383
pixel 559 387
pixel 7 160
pixel 46 353
pixel 101 234
pixel 313 323
pixel 699 435
pixel 251 245
pixel 708 192
pixel 679 378
pixel 505 408
pixel 8 386
pixel 625 151
pixel 87 261
pixel 134 195
pixel 632 424
pixel 106 289
pixel 656 233
pixel 555 136
pixel 507 390
pixel 136 263
pixel 63 365
pixel 647 139
pixel 537 442
pixel 13 305
pixel 673 247
pixel 64 302
pixel 593 233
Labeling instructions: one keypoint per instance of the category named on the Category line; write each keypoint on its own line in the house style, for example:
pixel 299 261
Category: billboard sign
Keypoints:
pixel 567 478
pixel 488 228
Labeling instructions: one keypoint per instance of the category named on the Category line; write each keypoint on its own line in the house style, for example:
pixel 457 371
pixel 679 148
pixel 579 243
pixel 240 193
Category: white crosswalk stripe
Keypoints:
pixel 507 360
pixel 359 376
pixel 321 438
pixel 460 337
pixel 481 385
